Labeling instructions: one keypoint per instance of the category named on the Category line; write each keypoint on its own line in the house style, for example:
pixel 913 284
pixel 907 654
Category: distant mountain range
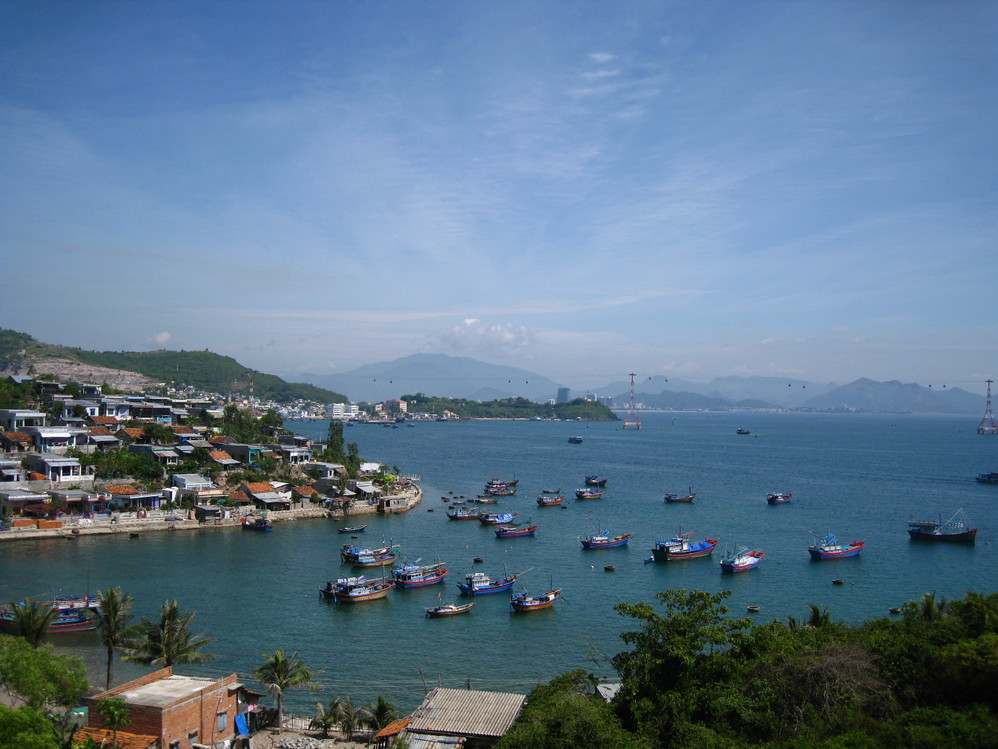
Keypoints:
pixel 462 377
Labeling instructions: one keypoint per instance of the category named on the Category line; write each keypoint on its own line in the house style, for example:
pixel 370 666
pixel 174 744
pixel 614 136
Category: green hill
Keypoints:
pixel 202 370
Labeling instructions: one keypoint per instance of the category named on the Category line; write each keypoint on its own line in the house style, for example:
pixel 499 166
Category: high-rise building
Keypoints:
pixel 564 395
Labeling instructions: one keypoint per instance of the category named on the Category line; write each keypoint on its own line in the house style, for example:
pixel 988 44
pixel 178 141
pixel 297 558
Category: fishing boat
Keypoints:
pixel 486 500
pixel 988 478
pixel 549 500
pixel 419 575
pixel 504 491
pixel 462 513
pixel 66 619
pixel 779 498
pixel 575 440
pixel 681 497
pixel 365 557
pixel 357 589
pixel 831 548
pixel 680 548
pixel 499 486
pixel 352 529
pixel 449 609
pixel 524 602
pixel 595 480
pixel 479 584
pixel 497 518
pixel 740 430
pixel 601 539
pixel 551 491
pixel 742 560
pixel 257 524
pixel 952 531
pixel 514 531
pixel 590 492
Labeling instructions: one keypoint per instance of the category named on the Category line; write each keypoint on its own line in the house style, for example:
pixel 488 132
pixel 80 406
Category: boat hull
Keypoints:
pixel 613 543
pixel 675 498
pixel 965 537
pixel 852 550
pixel 516 532
pixel 523 602
pixel 450 609
pixel 495 586
pixel 668 553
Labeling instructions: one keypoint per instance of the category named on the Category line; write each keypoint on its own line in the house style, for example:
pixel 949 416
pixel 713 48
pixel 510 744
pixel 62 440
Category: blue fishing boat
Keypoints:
pixel 514 531
pixel 479 584
pixel 419 575
pixel 497 518
pixel 742 560
pixel 680 548
pixel 357 589
pixel 831 548
pixel 257 524
pixel 601 539
pixel 364 557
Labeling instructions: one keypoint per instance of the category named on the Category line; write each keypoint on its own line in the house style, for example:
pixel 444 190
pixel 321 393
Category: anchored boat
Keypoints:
pixel 831 548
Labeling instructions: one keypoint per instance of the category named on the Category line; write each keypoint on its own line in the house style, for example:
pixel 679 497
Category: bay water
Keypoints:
pixel 858 476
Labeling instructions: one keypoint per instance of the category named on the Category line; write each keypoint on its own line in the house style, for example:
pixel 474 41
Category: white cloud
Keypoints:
pixel 473 336
pixel 162 338
pixel 601 57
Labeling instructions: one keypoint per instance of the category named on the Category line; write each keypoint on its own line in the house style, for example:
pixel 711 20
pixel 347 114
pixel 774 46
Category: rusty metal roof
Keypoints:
pixel 466 712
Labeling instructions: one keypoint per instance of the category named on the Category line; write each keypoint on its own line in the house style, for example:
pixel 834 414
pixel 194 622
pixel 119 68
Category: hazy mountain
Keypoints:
pixel 775 391
pixel 438 375
pixel 895 397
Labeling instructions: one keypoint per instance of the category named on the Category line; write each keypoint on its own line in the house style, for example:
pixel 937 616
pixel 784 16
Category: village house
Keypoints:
pixel 77 501
pixel 58 469
pixel 265 497
pixel 11 471
pixel 165 456
pixel 16 442
pixel 13 501
pixel 102 439
pixel 181 711
pixel 15 419
pixel 448 715
pixel 250 455
pixel 57 438
pixel 225 461
pixel 125 498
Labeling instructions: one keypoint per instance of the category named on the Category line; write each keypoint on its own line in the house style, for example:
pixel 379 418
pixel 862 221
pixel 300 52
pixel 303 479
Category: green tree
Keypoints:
pixel 114 625
pixel 326 716
pixel 26 728
pixel 116 715
pixel 334 443
pixel 350 717
pixel 280 673
pixel 168 641
pixel 379 714
pixel 33 621
pixel 159 434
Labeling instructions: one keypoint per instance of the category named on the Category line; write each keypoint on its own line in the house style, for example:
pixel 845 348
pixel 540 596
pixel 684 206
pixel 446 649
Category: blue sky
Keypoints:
pixel 582 189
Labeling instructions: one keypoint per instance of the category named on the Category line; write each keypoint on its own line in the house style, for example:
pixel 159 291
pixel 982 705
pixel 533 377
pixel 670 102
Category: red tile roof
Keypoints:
pixel 221 439
pixel 220 455
pixel 182 430
pixel 35 476
pixel 17 436
pixel 304 491
pixel 238 496
pixel 133 432
pixel 259 487
pixel 99 432
pixel 393 729
pixel 112 420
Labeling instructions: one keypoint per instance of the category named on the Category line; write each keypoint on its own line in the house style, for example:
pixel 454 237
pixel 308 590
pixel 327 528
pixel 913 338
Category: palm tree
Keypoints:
pixel 350 717
pixel 113 625
pixel 279 673
pixel 326 717
pixel 32 620
pixel 168 641
pixel 819 617
pixel 379 714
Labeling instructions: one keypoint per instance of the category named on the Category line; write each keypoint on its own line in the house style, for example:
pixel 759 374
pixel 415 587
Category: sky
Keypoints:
pixel 580 189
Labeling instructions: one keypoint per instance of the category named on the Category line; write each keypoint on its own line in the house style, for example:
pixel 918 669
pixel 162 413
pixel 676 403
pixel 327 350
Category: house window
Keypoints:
pixel 174 745
pixel 221 717
pixel 192 738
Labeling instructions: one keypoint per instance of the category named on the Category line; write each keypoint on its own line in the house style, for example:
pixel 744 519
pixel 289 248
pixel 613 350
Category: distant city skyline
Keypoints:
pixel 581 190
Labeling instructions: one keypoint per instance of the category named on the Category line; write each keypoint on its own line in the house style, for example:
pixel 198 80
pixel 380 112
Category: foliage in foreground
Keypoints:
pixel 694 677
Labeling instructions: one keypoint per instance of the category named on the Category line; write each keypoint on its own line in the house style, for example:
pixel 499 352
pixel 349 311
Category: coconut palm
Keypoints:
pixel 113 625
pixel 818 617
pixel 350 717
pixel 379 714
pixel 326 717
pixel 32 621
pixel 280 673
pixel 168 641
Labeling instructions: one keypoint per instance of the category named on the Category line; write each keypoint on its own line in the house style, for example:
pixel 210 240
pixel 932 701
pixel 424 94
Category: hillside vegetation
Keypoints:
pixel 510 408
pixel 203 370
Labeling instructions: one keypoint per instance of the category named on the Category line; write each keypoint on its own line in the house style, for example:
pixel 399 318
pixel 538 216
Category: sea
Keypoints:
pixel 857 476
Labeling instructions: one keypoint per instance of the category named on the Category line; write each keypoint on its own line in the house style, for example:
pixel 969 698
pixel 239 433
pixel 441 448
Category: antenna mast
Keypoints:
pixel 631 421
pixel 988 424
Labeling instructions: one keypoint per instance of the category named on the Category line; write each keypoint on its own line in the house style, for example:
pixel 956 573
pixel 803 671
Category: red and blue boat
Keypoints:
pixel 601 539
pixel 779 498
pixel 742 560
pixel 257 524
pixel 515 531
pixel 595 480
pixel 680 548
pixel 591 492
pixel 464 513
pixel 831 548
pixel 419 575
pixel 68 618
pixel 364 557
pixel 480 584
pixel 550 500
pixel 681 497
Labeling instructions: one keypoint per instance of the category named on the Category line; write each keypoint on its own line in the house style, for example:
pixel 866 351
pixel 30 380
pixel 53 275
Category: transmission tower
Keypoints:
pixel 988 424
pixel 631 421
pixel 251 376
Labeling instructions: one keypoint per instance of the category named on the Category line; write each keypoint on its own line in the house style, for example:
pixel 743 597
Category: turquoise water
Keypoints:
pixel 857 476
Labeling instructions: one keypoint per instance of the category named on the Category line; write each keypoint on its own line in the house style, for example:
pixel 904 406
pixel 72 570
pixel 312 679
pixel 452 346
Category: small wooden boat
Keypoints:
pixel 419 575
pixel 680 548
pixel 480 584
pixel 681 497
pixel 595 480
pixel 753 609
pixel 449 609
pixel 133 534
pixel 352 529
pixel 952 531
pixel 257 524
pixel 742 431
pixel 609 568
pixel 601 539
pixel 496 518
pixel 357 589
pixel 779 498
pixel 479 560
pixel 486 500
pixel 550 491
pixel 550 500
pixel 589 493
pixel 831 548
pixel 742 560
pixel 524 602
pixel 514 531
pixel 838 582
pixel 575 440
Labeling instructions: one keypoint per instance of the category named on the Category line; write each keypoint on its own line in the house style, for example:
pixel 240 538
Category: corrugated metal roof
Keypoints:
pixel 466 712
